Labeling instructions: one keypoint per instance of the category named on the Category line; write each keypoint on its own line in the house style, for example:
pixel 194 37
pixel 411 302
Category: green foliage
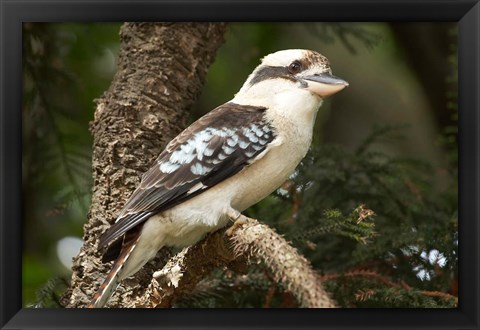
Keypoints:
pixel 64 69
pixel 346 33
pixel 48 296
pixel 411 219
pixel 228 290
pixel 54 126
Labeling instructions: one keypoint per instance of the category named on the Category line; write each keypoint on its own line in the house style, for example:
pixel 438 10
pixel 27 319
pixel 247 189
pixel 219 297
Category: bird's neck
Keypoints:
pixel 292 103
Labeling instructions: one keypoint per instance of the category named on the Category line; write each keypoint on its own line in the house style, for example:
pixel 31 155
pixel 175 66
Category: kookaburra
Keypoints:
pixel 223 163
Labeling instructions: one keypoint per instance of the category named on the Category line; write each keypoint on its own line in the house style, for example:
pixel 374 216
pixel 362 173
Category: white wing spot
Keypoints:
pixel 244 144
pixel 204 135
pixel 208 152
pixel 168 167
pixel 258 132
pixel 220 133
pixel 231 142
pixel 250 135
pixel 199 169
pixel 249 153
pixel 201 146
pixel 228 150
pixel 228 131
pixel 187 148
pixel 181 157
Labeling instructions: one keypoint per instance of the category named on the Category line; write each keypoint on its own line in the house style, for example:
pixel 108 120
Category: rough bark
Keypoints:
pixel 161 71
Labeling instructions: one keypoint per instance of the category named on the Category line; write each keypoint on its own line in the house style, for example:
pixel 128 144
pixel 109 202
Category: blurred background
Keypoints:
pixel 403 79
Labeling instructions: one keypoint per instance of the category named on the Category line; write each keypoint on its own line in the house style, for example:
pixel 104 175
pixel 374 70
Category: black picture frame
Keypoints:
pixel 15 12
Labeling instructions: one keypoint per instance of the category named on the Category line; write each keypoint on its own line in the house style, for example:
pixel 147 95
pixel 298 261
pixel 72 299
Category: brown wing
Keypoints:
pixel 209 151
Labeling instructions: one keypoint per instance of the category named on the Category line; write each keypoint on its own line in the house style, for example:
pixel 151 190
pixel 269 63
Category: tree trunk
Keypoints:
pixel 161 71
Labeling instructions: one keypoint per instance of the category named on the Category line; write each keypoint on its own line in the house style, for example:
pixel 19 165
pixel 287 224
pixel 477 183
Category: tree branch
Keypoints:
pixel 251 239
pixel 258 241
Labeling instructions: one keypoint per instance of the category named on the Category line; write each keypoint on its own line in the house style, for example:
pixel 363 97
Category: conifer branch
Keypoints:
pixel 258 241
pixel 364 294
pixel 365 273
pixel 440 295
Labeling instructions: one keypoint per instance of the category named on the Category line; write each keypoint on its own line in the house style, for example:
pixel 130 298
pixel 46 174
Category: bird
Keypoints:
pixel 223 163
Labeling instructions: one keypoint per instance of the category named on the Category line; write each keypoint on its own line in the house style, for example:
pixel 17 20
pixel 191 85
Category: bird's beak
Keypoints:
pixel 324 84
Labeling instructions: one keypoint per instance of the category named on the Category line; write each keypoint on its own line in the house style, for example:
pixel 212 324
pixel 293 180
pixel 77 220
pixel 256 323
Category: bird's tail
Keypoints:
pixel 113 279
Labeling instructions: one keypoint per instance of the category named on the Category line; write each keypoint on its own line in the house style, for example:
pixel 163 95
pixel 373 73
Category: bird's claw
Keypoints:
pixel 238 223
pixel 238 220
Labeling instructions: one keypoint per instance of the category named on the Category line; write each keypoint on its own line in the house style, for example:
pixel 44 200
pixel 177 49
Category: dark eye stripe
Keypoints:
pixel 271 72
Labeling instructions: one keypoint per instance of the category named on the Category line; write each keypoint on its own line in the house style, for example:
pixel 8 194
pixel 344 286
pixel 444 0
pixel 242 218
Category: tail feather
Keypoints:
pixel 112 280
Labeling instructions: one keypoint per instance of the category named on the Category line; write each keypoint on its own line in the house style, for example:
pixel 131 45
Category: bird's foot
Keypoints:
pixel 238 218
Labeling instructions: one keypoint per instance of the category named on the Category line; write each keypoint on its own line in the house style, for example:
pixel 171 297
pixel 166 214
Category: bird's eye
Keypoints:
pixel 295 67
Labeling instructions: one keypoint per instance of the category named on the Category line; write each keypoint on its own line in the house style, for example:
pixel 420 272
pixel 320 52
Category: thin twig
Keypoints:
pixel 387 281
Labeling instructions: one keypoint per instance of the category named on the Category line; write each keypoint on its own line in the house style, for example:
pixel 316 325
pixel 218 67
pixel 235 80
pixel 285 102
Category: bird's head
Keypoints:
pixel 296 71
